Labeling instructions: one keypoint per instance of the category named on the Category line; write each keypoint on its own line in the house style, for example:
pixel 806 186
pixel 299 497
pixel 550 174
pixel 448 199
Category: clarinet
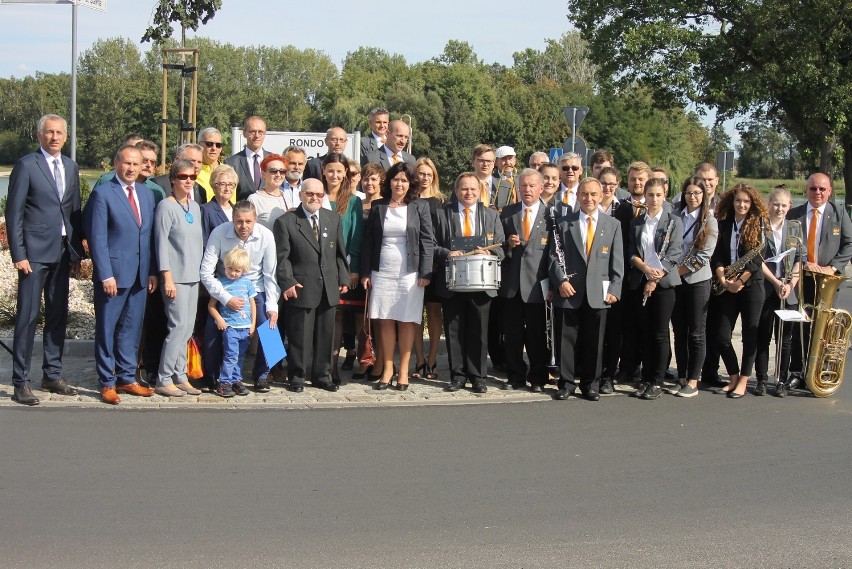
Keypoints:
pixel 661 252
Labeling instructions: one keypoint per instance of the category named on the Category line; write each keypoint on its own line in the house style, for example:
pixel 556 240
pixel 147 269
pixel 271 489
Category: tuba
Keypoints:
pixel 830 328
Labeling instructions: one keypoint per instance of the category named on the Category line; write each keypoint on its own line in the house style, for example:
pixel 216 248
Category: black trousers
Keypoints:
pixel 525 327
pixel 802 334
pixel 631 343
pixel 747 303
pixel 496 333
pixel 689 321
pixel 590 323
pixel 154 332
pixel 654 320
pixel 466 329
pixel 311 336
pixel 768 324
pixel 710 369
pixel 612 339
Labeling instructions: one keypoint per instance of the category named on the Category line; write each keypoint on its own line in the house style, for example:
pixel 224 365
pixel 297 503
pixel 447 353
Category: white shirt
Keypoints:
pixel 649 249
pixel 735 240
pixel 50 161
pixel 612 207
pixel 391 154
pixel 584 226
pixel 131 190
pixel 472 215
pixel 572 197
pixel 779 245
pixel 250 154
pixel 689 221
pixel 808 219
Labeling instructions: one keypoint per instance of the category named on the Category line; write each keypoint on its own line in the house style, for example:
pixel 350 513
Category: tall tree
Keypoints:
pixel 188 13
pixel 785 60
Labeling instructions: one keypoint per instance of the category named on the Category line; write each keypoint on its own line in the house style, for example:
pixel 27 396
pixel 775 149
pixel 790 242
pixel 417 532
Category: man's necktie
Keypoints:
pixel 637 206
pixel 812 233
pixel 468 228
pixel 256 172
pixel 566 195
pixel 57 176
pixel 590 235
pixel 315 226
pixel 384 139
pixel 483 193
pixel 133 206
pixel 526 224
pixel 396 159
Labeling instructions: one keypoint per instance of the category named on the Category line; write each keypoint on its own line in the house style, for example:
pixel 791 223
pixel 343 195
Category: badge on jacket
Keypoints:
pixel 605 250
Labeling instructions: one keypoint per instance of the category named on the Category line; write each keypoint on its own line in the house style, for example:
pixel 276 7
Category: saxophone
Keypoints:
pixel 737 268
pixel 830 328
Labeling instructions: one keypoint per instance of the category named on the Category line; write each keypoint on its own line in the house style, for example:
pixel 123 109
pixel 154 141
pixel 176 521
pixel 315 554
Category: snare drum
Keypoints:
pixel 473 273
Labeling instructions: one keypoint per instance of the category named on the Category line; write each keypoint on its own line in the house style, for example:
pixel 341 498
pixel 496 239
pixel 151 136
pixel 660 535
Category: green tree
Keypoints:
pixel 188 13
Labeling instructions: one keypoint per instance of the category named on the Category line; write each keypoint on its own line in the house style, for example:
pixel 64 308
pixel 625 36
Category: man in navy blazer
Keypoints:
pixel 43 227
pixel 119 219
pixel 247 161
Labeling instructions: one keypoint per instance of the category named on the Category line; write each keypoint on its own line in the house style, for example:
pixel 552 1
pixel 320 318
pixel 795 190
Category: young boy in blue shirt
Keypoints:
pixel 236 325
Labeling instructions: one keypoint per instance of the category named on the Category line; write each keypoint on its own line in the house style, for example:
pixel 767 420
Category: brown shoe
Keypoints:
pixel 187 388
pixel 109 395
pixel 134 389
pixel 59 386
pixel 168 390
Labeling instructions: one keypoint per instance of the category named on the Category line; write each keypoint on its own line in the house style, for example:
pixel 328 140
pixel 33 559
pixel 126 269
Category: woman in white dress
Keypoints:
pixel 396 266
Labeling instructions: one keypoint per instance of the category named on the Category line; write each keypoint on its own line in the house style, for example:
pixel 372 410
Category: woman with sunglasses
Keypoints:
pixel 179 247
pixel 269 201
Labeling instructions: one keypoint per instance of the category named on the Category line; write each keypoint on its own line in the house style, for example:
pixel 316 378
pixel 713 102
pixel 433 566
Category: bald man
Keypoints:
pixel 335 141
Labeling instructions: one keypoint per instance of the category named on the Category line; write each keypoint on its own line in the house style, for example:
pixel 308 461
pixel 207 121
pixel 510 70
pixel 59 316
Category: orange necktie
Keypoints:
pixel 468 229
pixel 812 233
pixel 565 195
pixel 483 193
pixel 590 235
pixel 396 158
pixel 638 207
pixel 526 225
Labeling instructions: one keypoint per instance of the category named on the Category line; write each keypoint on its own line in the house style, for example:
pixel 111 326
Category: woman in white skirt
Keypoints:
pixel 396 265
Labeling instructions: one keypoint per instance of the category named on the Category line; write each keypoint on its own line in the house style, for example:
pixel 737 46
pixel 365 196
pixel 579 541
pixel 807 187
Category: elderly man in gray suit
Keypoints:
pixel 827 233
pixel 399 133
pixel 312 273
pixel 523 269
pixel 586 269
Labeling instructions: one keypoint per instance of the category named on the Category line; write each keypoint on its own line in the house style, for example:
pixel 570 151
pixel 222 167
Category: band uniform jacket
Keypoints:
pixel 703 255
pixel 526 265
pixel 835 240
pixel 317 266
pixel 419 238
pixel 771 250
pixel 605 263
pixel 722 253
pixel 449 224
pixel 669 258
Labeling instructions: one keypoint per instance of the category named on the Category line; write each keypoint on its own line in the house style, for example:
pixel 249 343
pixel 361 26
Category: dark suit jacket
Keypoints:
pixel 771 250
pixel 605 263
pixel 722 254
pixel 212 216
pixel 835 240
pixel 35 214
pixel 525 265
pixel 199 194
pixel 381 158
pixel 669 258
pixel 419 238
pixel 119 248
pixel 313 169
pixel 448 225
pixel 317 266
pixel 368 144
pixel 239 162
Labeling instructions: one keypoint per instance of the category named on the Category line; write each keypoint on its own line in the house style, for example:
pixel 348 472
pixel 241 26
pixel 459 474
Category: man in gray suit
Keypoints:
pixel 524 267
pixel 312 274
pixel 589 258
pixel 335 141
pixel 399 133
pixel 378 119
pixel 43 224
pixel 247 162
pixel 827 235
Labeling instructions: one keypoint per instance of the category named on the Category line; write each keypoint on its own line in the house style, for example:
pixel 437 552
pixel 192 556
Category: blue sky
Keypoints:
pixel 38 37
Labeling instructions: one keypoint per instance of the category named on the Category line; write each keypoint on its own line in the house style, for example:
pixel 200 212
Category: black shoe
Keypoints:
pixel 507 386
pixel 592 395
pixel 360 376
pixel 59 387
pixel 780 389
pixel 716 381
pixel 732 395
pixel 240 389
pixel 641 388
pixel 24 395
pixel 537 389
pixel 295 388
pixel 224 390
pixel 329 386
pixel 562 394
pixel 652 392
pixel 261 385
pixel 669 375
pixel 479 387
pixel 348 361
pixel 606 386
pixel 760 388
pixel 402 386
pixel 455 385
pixel 381 386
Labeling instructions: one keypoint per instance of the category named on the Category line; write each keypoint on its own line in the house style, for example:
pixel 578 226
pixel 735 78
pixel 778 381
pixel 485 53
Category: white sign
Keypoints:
pixel 100 5
pixel 312 142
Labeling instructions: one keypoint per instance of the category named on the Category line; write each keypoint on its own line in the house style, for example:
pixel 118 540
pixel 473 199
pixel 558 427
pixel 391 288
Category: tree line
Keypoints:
pixel 455 99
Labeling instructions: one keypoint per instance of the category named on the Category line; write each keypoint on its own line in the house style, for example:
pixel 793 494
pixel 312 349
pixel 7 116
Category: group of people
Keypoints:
pixel 591 277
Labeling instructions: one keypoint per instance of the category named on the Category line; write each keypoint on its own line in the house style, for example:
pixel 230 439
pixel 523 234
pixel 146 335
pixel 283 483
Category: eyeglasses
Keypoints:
pixel 225 185
pixel 818 189
pixel 609 185
pixel 211 144
pixel 572 168
pixel 276 171
pixel 313 194
pixel 354 173
pixel 692 194
pixel 186 177
pixel 255 132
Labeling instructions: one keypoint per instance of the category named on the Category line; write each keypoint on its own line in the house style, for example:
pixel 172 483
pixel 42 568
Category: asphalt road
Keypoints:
pixel 706 482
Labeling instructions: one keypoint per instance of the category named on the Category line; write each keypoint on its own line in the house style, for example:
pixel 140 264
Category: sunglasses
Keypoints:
pixel 573 168
pixel 313 194
pixel 275 171
pixel 209 144
pixel 186 177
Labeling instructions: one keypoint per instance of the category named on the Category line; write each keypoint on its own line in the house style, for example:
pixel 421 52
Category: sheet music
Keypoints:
pixel 780 256
pixel 792 316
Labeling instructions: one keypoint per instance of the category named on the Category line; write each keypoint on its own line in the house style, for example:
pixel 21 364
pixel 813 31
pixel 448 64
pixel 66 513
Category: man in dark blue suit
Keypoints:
pixel 43 226
pixel 119 218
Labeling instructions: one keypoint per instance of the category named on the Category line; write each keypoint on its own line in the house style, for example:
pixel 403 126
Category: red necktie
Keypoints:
pixel 133 206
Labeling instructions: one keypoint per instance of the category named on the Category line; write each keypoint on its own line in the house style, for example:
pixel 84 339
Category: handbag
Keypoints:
pixel 366 354
pixel 194 369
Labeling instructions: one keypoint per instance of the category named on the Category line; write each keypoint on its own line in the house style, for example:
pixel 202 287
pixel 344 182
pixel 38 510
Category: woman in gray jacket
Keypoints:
pixel 692 297
pixel 179 245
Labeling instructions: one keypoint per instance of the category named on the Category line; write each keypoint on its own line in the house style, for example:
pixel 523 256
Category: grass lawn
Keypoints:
pixel 796 187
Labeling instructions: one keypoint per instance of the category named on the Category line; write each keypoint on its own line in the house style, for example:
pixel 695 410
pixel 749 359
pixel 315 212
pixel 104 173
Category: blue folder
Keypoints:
pixel 273 346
